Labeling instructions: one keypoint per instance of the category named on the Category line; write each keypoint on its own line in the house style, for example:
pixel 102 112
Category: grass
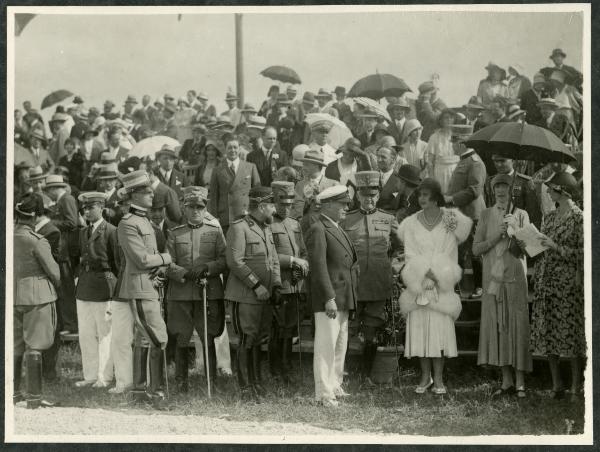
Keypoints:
pixel 467 409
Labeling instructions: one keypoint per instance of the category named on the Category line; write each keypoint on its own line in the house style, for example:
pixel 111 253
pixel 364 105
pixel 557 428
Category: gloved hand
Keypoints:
pixel 202 269
pixel 158 272
pixel 301 264
pixel 276 296
pixel 159 282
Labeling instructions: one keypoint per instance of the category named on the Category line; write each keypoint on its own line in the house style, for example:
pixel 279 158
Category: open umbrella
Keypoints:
pixel 338 134
pixel 149 146
pixel 377 86
pixel 520 141
pixel 56 97
pixel 373 106
pixel 282 74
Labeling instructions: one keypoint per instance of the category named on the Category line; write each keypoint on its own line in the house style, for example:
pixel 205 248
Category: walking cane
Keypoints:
pixel 294 282
pixel 203 282
pixel 161 295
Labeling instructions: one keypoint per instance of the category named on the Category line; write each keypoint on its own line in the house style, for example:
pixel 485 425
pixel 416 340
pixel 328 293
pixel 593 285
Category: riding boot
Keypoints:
pixel 18 367
pixel 245 373
pixel 33 363
pixel 156 381
pixel 274 352
pixel 256 364
pixel 140 362
pixel 368 357
pixel 286 359
pixel 181 369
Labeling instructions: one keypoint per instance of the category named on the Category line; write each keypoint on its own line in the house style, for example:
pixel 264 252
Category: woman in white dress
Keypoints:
pixel 431 237
pixel 439 154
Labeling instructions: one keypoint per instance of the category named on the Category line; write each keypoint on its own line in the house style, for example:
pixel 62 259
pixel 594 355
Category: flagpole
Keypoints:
pixel 239 59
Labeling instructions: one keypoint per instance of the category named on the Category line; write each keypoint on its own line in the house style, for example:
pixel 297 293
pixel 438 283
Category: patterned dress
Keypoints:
pixel 558 321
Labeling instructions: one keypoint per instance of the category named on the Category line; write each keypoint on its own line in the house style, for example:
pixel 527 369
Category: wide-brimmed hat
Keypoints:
pixel 36 173
pixel 308 98
pixel 194 195
pixel 248 108
pixel 367 182
pixel 202 96
pixel 353 145
pixel 256 122
pixel 564 183
pixel 475 102
pixel 55 180
pixel 323 93
pixel 131 99
pixel 398 102
pixel 557 52
pixel 314 156
pixel 514 111
pixel 283 99
pixel 91 197
pixel 412 125
pixel 409 174
pixel 134 180
pixel 547 102
pixel 108 171
pixel 167 150
pixel 38 133
pixel 30 205
pixel 283 192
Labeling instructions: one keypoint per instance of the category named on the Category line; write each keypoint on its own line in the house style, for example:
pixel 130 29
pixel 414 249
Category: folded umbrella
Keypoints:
pixel 338 134
pixel 56 97
pixel 377 86
pixel 282 74
pixel 150 146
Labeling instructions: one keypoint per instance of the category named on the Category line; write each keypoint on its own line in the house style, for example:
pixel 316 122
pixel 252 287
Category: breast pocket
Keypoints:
pixel 279 238
pixel 255 248
pixel 182 247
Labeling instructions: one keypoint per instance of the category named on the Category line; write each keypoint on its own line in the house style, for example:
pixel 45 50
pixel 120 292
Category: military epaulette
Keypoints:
pixel 383 211
pixel 524 176
pixel 36 235
pixel 239 220
pixel 352 211
pixel 127 215
pixel 475 157
pixel 212 222
pixel 180 226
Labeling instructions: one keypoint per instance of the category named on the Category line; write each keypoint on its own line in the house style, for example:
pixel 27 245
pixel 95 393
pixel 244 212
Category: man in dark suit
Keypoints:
pixel 95 288
pixel 388 199
pixel 230 185
pixel 193 147
pixel 66 219
pixel 398 111
pixel 167 173
pixel 575 77
pixel 166 196
pixel 530 99
pixel 116 151
pixel 268 159
pixel 160 223
pixel 334 271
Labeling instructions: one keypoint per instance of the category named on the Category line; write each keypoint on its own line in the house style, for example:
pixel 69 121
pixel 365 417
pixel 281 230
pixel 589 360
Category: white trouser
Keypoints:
pixel 331 342
pixel 122 340
pixel 221 348
pixel 94 340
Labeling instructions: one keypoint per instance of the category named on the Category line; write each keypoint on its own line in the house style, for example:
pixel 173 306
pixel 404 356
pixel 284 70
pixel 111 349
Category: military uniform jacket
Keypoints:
pixel 523 196
pixel 189 248
pixel 36 274
pixel 371 234
pixel 99 263
pixel 138 242
pixel 252 258
pixel 334 266
pixel 289 243
pixel 467 184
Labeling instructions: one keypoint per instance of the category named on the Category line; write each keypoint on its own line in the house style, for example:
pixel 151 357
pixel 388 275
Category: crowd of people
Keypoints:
pixel 257 216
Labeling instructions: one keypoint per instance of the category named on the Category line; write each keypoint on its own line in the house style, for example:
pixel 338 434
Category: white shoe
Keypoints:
pixel 225 372
pixel 329 403
pixel 119 389
pixel 85 383
pixel 100 384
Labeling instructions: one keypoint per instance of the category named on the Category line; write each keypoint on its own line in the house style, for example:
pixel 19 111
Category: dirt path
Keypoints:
pixel 85 421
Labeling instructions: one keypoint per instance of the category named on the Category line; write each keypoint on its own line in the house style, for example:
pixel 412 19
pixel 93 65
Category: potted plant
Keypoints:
pixel 389 339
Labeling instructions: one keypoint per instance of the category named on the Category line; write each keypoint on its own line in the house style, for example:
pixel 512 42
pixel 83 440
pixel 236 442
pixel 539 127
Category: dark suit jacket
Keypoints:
pixel 190 151
pixel 265 167
pixel 177 181
pixel 529 101
pixel 52 234
pixel 333 266
pixel 332 171
pixel 122 154
pixel 99 263
pixel 399 135
pixel 76 167
pixel 170 200
pixel 162 234
pixel 228 194
pixel 66 219
pixel 366 141
pixel 387 200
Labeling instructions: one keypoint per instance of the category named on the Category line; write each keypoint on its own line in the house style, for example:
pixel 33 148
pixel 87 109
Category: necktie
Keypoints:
pixel 232 168
pixel 89 234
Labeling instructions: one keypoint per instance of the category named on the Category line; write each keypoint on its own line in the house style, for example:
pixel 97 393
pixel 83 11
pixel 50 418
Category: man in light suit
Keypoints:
pixel 334 271
pixel 144 270
pixel 229 186
pixel 398 111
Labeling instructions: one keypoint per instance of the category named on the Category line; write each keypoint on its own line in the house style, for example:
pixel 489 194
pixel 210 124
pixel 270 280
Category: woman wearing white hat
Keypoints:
pixel 413 148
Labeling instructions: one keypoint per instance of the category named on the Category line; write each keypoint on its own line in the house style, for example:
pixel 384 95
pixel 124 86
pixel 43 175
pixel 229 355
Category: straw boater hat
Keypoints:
pixel 367 182
pixel 313 156
pixel 322 124
pixel 256 122
pixel 283 192
pixel 193 195
pixel 134 180
pixel 337 193
pixel 514 111
pixel 91 197
pixel 547 102
pixel 36 173
pixel 461 131
pixel 108 171
pixel 55 180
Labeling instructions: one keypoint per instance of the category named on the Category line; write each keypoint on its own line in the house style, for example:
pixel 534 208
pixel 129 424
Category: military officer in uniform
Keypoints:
pixel 198 252
pixel 291 251
pixel 372 232
pixel 144 266
pixel 36 276
pixel 254 281
pixel 465 191
pixel 523 190
pixel 95 288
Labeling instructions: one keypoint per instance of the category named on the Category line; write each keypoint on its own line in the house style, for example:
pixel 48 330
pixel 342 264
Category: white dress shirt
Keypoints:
pixel 235 163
